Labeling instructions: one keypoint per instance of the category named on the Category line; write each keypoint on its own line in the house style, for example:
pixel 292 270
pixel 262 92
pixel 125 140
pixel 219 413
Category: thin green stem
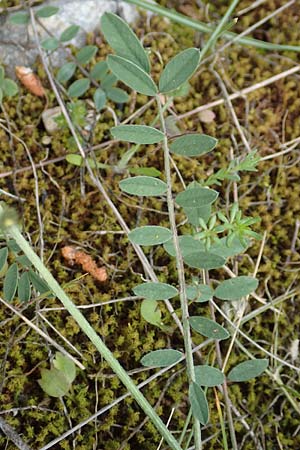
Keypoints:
pixel 216 33
pixel 180 268
pixel 203 27
pixel 13 230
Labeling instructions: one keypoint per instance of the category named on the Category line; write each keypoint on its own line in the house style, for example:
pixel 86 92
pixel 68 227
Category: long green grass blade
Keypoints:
pixel 200 26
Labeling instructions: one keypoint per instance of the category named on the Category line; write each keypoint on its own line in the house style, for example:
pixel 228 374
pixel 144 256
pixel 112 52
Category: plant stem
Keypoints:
pixel 203 27
pixel 217 31
pixel 180 268
pixel 14 232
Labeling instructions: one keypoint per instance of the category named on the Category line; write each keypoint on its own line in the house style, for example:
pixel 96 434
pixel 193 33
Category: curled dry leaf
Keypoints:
pixel 30 80
pixel 74 256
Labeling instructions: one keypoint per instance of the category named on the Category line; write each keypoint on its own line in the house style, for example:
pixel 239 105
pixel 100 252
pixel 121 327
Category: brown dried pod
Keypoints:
pixel 30 80
pixel 73 256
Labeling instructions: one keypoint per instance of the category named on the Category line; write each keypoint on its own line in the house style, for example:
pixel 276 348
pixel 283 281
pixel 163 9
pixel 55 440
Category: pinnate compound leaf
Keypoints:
pixel 161 358
pixel 138 134
pixel 193 145
pixel 46 11
pixel 150 235
pixel 196 197
pixel 54 382
pixel 124 41
pixel 69 33
pixel 179 70
pixel 204 260
pixel 117 95
pixel 10 282
pixel 150 312
pixel 99 70
pixel 66 366
pixel 132 75
pixel 208 328
pixel 198 403
pixel 66 72
pixel 86 53
pixel 79 87
pixel 155 291
pixel 20 18
pixel 143 186
pixel 99 99
pixel 50 44
pixel 248 369
pixel 236 288
pixel 208 376
pixel 24 288
pixel 3 257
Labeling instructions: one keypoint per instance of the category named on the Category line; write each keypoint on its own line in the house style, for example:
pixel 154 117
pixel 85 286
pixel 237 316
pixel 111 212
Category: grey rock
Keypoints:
pixel 48 117
pixel 17 44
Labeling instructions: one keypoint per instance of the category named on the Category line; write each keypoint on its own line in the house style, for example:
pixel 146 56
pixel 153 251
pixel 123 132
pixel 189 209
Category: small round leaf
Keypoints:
pixel 24 288
pixel 208 328
pixel 79 87
pixel 69 33
pixel 99 99
pixel 196 197
pixel 66 72
pixel 155 291
pixel 143 186
pixel 208 376
pixel 132 75
pixel 117 95
pixel 50 44
pixel 248 369
pixel 161 358
pixel 10 282
pixel 86 53
pixel 150 235
pixel 193 145
pixel 99 70
pixel 179 70
pixel 138 134
pixel 204 260
pixel 46 11
pixel 20 18
pixel 150 312
pixel 198 403
pixel 236 288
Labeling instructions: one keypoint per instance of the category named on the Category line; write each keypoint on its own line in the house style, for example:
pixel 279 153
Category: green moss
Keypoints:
pixel 70 217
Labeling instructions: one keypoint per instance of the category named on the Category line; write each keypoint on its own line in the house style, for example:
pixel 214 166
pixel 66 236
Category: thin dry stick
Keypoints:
pixel 281 361
pixel 36 189
pixel 13 435
pixel 241 93
pixel 231 110
pixel 257 24
pixel 41 333
pixel 147 267
pixel 60 335
pixel 244 304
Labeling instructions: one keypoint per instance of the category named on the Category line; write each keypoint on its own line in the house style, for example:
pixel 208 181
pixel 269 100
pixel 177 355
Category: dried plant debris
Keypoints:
pixel 74 256
pixel 30 80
